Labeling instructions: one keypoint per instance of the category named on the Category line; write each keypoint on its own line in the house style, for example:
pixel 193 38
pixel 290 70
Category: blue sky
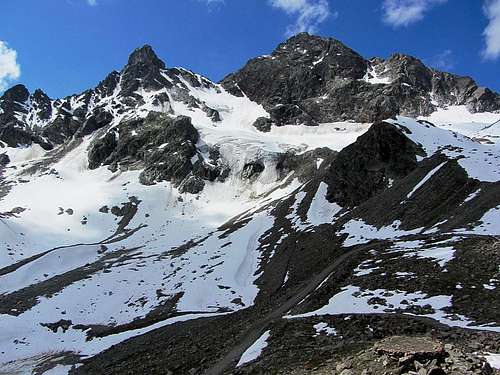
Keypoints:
pixel 67 46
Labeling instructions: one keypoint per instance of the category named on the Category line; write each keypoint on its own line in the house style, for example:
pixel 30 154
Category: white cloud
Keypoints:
pixel 443 60
pixel 92 2
pixel 492 31
pixel 212 2
pixel 9 68
pixel 405 12
pixel 310 13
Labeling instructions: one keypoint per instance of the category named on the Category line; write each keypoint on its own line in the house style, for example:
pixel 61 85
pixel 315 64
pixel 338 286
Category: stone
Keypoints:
pixel 192 185
pixel 423 348
pixel 363 168
pixel 4 160
pixel 263 124
pixel 165 149
pixel 252 170
pixel 343 366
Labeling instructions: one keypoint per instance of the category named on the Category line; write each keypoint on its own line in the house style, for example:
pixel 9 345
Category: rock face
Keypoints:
pixel 164 147
pixel 4 160
pixel 144 85
pixel 310 80
pixel 416 347
pixel 263 124
pixel 17 107
pixel 367 166
pixel 296 71
pixel 143 63
pixel 306 80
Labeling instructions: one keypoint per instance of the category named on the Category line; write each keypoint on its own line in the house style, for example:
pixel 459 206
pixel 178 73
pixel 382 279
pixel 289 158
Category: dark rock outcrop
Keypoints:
pixel 263 124
pixel 14 97
pixel 164 147
pixel 366 167
pixel 62 128
pixel 102 149
pixel 42 104
pixel 172 160
pixel 298 69
pixel 4 160
pixel 310 80
pixel 99 119
pixel 12 108
pixel 252 170
pixel 306 166
pixel 143 70
pixel 24 114
pixel 144 84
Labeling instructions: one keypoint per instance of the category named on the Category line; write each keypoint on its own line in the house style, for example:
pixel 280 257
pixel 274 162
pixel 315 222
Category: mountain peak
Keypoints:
pixel 145 55
pixel 39 94
pixel 305 39
pixel 18 93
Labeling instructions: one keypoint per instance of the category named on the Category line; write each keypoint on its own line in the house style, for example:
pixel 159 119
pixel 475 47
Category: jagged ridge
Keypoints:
pixel 310 79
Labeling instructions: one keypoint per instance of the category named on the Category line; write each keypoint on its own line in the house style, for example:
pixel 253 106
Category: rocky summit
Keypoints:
pixel 311 80
pixel 315 212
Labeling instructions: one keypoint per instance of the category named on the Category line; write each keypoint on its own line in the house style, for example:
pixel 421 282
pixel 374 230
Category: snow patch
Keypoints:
pixel 324 328
pixel 321 210
pixel 354 300
pixel 255 350
pixel 425 179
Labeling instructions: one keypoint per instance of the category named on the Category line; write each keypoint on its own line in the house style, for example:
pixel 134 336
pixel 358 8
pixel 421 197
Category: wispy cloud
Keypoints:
pixel 212 3
pixel 309 13
pixel 92 2
pixel 399 13
pixel 492 31
pixel 443 60
pixel 9 68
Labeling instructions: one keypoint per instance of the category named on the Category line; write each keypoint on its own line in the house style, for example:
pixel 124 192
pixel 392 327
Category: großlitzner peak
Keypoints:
pixel 310 79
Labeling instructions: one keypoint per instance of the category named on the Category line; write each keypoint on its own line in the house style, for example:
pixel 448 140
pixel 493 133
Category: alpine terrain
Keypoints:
pixel 315 212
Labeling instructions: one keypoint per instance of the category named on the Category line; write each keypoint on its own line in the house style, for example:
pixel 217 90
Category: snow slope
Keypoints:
pixel 202 252
pixel 65 222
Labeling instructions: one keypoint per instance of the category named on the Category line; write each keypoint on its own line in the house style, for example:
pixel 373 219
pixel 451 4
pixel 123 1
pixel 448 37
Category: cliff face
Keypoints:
pixel 309 79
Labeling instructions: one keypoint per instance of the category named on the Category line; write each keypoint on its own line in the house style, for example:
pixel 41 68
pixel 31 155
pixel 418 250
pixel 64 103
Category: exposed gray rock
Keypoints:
pixel 102 149
pixel 4 160
pixel 364 168
pixel 143 70
pixel 34 118
pixel 306 80
pixel 164 147
pixel 306 166
pixel 192 184
pixel 14 113
pixel 263 124
pixel 213 114
pixel 62 128
pixel 99 119
pixel 252 170
pixel 310 80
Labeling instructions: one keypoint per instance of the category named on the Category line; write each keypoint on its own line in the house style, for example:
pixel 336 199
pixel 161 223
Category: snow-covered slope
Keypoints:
pixel 63 228
pixel 92 253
